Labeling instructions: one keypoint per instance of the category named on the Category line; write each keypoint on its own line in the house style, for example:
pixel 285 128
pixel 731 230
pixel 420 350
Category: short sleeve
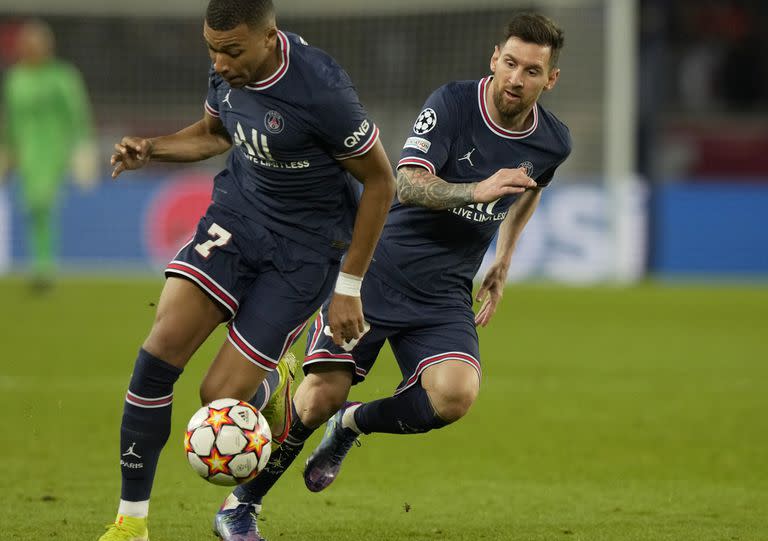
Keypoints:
pixel 432 133
pixel 344 125
pixel 212 100
pixel 544 179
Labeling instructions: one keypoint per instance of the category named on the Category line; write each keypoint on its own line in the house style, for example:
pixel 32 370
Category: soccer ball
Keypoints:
pixel 228 442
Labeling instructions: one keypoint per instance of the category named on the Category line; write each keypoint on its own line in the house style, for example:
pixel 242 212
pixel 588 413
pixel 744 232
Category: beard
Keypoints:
pixel 507 111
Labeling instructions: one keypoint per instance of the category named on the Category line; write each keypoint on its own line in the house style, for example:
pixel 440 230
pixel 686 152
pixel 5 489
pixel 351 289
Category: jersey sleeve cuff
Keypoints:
pixel 364 148
pixel 210 110
pixel 419 162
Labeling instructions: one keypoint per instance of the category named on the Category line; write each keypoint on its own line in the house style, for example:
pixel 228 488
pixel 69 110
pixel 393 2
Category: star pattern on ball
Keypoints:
pixel 256 441
pixel 218 418
pixel 217 463
pixel 425 122
pixel 188 441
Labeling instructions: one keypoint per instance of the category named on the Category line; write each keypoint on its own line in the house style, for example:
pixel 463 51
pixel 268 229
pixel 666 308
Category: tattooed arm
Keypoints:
pixel 418 187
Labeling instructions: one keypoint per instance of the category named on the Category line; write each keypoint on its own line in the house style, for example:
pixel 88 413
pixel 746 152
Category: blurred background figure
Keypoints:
pixel 692 96
pixel 47 123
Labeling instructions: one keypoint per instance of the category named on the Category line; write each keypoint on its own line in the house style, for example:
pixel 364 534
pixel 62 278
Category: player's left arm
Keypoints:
pixel 84 163
pixel 492 288
pixel 374 172
pixel 78 107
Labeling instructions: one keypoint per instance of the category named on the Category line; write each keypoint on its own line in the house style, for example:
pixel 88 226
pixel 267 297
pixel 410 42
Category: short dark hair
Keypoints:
pixel 538 29
pixel 227 14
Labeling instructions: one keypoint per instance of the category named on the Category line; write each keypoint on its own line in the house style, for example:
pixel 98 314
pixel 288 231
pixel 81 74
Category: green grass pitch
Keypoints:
pixel 605 414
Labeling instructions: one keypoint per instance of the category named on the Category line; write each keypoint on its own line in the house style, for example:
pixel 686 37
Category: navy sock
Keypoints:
pixel 409 412
pixel 267 387
pixel 255 490
pixel 146 423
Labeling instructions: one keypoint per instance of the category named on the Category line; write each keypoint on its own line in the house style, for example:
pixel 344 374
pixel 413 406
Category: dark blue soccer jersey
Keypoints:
pixel 289 132
pixel 433 255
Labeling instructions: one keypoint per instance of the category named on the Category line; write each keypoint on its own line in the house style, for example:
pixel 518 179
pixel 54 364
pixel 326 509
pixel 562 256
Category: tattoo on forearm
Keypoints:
pixel 417 186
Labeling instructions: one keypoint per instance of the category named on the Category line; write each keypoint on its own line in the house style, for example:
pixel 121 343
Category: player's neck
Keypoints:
pixel 272 64
pixel 519 122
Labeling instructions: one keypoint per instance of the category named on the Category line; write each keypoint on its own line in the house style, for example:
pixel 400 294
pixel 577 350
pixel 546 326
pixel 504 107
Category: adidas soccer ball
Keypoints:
pixel 228 442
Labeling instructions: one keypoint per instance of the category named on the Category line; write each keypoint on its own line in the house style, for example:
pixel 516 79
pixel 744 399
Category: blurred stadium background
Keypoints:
pixel 667 107
pixel 607 413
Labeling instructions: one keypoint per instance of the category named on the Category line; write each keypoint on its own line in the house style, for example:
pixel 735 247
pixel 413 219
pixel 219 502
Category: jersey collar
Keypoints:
pixel 285 61
pixel 495 128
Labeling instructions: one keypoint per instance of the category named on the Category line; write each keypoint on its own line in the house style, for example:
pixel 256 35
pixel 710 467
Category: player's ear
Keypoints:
pixel 270 35
pixel 554 75
pixel 495 58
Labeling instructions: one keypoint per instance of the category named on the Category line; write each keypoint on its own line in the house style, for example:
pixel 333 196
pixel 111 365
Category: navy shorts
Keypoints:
pixel 420 335
pixel 269 285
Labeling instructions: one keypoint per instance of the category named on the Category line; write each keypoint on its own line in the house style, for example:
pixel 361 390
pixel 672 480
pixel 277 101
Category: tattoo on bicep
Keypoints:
pixel 417 186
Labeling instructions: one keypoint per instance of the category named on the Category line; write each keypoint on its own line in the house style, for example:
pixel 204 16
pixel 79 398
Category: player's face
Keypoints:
pixel 244 54
pixel 35 44
pixel 521 73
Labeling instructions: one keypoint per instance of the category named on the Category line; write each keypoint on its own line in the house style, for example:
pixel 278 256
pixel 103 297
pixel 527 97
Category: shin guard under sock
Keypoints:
pixel 267 387
pixel 281 458
pixel 146 423
pixel 409 412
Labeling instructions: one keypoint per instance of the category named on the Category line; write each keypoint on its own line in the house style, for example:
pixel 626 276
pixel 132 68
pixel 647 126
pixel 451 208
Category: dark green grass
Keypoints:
pixel 605 414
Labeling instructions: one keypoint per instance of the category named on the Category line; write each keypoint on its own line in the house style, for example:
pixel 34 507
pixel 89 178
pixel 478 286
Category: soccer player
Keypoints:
pixel 476 163
pixel 267 252
pixel 47 122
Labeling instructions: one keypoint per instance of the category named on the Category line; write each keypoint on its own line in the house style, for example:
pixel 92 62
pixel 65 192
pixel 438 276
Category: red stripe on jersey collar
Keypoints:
pixel 495 128
pixel 285 60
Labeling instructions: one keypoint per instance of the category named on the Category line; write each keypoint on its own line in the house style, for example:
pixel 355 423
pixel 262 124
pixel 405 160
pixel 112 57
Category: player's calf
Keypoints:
pixel 145 427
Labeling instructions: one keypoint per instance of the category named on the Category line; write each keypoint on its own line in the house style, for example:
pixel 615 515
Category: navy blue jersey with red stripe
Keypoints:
pixel 433 255
pixel 290 132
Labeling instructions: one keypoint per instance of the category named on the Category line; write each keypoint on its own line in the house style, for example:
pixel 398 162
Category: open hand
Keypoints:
pixel 130 153
pixel 490 293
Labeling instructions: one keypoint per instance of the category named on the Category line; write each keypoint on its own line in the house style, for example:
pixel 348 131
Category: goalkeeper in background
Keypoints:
pixel 47 132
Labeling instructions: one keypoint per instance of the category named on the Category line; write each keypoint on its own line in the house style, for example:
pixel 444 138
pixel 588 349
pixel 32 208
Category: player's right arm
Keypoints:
pixel 417 186
pixel 200 141
pixel 492 287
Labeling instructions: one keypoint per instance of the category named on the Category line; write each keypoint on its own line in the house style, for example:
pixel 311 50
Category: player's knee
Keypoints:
pixel 318 406
pixel 167 341
pixel 451 403
pixel 320 396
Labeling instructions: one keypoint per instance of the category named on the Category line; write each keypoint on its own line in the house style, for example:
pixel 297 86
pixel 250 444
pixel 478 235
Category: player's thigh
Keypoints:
pixel 230 375
pixel 206 280
pixel 321 351
pixel 222 257
pixel 444 356
pixel 185 317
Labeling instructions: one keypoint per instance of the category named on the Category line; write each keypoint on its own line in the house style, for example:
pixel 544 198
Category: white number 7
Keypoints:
pixel 220 237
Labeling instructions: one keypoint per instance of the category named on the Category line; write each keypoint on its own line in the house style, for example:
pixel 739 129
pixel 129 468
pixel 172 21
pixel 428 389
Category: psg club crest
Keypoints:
pixel 528 166
pixel 273 121
pixel 426 121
